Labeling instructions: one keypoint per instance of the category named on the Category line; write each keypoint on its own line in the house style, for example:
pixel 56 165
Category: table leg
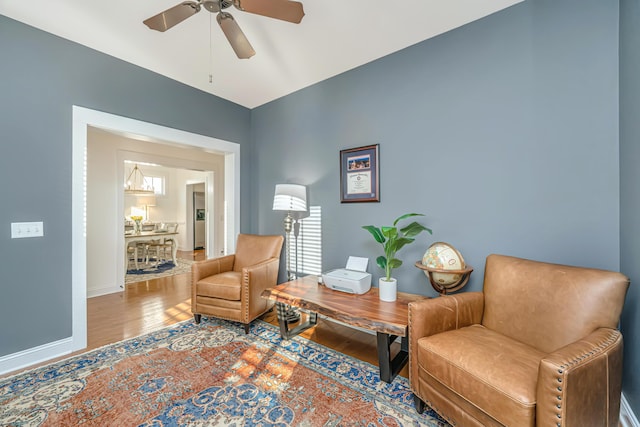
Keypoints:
pixel 389 367
pixel 285 332
pixel 174 251
pixel 281 314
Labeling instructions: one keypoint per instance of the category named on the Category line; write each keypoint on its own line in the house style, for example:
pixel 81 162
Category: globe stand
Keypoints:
pixel 441 288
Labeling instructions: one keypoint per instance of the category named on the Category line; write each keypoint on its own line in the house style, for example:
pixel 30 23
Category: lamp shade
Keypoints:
pixel 290 197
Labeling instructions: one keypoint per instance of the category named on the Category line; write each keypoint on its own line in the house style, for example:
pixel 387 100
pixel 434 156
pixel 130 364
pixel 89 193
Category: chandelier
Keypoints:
pixel 137 185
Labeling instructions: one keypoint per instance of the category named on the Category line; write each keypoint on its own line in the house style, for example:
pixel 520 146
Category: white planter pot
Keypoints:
pixel 388 290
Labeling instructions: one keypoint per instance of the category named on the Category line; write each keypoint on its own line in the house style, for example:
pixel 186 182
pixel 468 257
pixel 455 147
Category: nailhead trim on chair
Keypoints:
pixel 219 317
pixel 245 288
pixel 410 347
pixel 599 349
pixel 444 416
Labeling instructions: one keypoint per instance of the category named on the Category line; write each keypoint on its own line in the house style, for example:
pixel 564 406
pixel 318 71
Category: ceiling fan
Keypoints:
pixel 285 10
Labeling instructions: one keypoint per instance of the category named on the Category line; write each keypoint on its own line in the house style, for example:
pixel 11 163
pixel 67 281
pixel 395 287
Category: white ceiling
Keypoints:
pixel 332 38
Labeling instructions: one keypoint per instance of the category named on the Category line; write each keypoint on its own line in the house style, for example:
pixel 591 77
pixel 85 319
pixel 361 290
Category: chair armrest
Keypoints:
pixel 432 316
pixel 580 384
pixel 435 315
pixel 209 267
pixel 255 279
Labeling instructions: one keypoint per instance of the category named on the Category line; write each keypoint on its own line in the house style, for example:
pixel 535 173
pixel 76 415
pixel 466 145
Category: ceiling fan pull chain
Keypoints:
pixel 211 49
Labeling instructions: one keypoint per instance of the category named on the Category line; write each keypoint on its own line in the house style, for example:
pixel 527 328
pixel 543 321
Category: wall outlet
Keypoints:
pixel 21 230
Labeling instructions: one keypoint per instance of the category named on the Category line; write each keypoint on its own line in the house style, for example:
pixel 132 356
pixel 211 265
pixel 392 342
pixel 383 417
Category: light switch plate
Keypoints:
pixel 21 230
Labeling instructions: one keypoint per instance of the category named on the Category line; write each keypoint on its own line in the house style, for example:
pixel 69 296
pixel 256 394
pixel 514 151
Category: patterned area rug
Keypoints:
pixel 164 270
pixel 210 374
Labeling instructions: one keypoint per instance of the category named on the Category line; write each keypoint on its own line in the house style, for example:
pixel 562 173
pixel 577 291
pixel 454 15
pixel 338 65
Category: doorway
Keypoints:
pixel 83 118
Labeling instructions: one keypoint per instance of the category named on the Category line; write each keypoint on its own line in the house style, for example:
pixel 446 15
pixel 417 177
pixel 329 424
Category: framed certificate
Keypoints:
pixel 359 174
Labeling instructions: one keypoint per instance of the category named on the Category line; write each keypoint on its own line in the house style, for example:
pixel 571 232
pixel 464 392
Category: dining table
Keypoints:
pixel 144 236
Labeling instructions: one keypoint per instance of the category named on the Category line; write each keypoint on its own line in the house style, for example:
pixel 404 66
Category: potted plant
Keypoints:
pixel 392 240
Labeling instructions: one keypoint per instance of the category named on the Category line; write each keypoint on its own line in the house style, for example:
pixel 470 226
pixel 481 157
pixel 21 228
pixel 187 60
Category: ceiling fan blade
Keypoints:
pixel 236 37
pixel 172 16
pixel 284 10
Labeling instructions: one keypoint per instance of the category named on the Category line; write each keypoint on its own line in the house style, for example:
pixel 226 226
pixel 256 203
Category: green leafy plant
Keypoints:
pixel 392 240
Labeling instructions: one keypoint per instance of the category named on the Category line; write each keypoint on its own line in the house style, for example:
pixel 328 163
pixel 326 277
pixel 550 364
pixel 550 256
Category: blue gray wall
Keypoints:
pixel 503 132
pixel 629 194
pixel 41 77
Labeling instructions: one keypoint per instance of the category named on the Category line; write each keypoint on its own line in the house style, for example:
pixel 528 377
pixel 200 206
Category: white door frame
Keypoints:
pixel 84 117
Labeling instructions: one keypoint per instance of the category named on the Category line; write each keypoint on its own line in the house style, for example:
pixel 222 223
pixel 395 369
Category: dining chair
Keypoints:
pixel 158 247
pixel 148 227
pixel 134 254
pixel 169 242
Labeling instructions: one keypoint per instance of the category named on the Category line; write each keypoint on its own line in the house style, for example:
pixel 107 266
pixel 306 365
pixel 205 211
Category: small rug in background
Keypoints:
pixel 210 374
pixel 149 272
pixel 150 268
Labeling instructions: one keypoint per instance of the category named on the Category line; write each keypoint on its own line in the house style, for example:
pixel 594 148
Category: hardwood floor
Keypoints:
pixel 142 307
pixel 150 305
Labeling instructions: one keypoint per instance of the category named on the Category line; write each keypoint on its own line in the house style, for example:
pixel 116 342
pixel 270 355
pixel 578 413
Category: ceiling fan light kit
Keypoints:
pixel 284 10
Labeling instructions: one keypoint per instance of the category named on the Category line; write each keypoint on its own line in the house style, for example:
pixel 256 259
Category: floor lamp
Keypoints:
pixel 292 199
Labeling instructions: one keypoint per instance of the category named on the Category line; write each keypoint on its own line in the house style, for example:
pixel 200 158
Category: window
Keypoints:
pixel 157 182
pixel 309 245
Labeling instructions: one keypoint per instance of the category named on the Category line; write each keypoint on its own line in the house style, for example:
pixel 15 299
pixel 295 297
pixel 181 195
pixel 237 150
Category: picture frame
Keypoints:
pixel 360 174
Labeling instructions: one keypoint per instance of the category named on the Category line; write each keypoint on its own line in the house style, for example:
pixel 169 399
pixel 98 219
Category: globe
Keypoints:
pixel 443 256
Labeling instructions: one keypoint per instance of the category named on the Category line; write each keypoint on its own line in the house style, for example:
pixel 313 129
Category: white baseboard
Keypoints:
pixel 103 291
pixel 32 356
pixel 627 417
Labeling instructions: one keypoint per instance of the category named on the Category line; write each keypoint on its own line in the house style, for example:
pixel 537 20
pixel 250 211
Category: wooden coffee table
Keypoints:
pixel 388 319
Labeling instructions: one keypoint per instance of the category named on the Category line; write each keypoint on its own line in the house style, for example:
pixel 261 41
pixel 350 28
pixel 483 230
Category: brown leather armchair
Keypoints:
pixel 229 287
pixel 538 347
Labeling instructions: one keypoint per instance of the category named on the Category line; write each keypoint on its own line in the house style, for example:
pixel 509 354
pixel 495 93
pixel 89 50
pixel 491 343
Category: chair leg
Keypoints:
pixel 246 327
pixel 419 404
pixel 197 317
pixel 135 255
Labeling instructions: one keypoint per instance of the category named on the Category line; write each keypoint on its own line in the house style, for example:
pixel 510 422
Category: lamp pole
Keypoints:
pixel 288 221
pixel 296 232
